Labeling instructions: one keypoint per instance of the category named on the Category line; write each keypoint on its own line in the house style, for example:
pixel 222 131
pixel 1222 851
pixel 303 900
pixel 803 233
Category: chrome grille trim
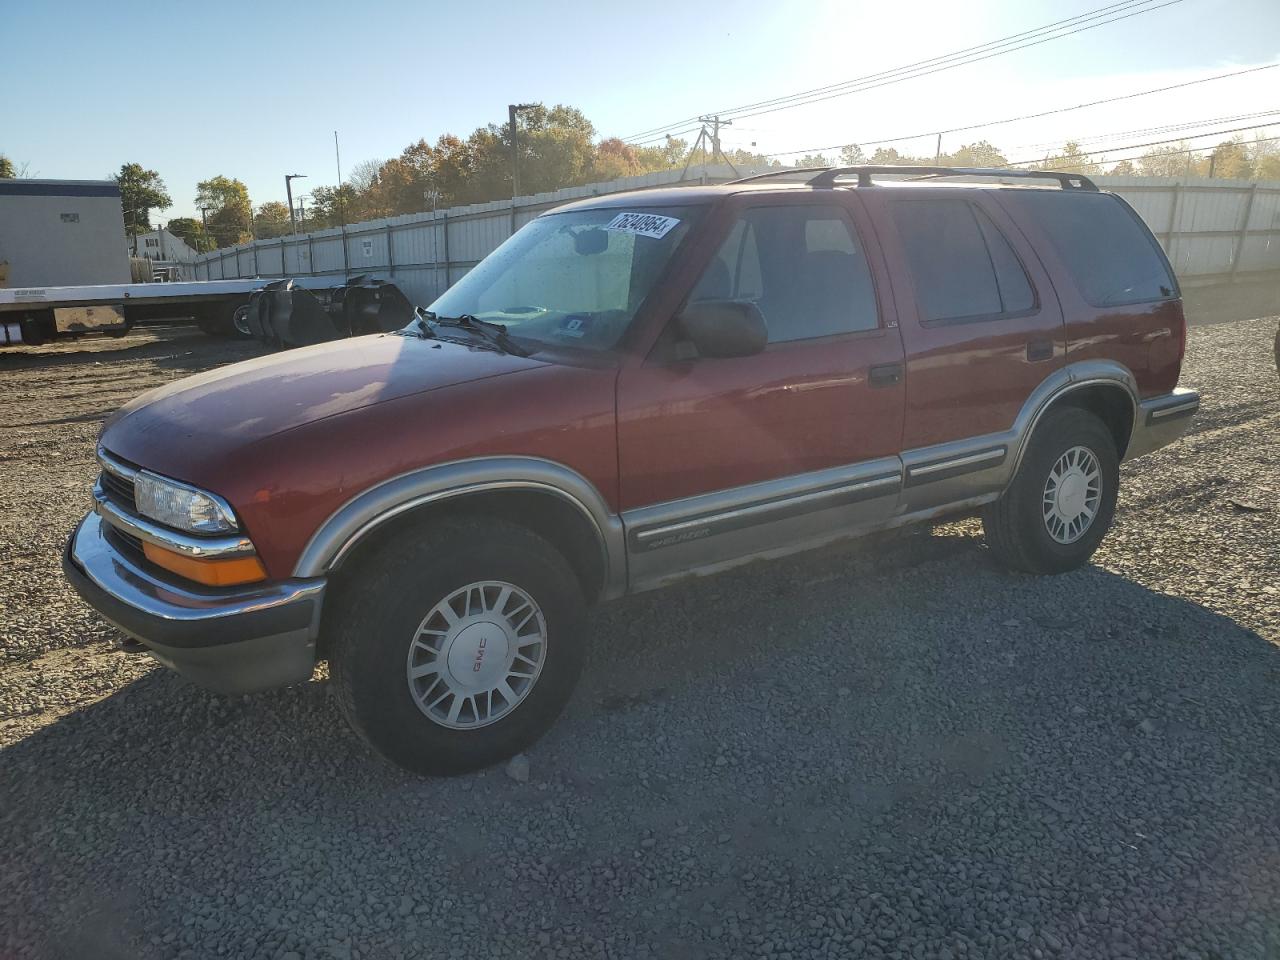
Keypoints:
pixel 116 467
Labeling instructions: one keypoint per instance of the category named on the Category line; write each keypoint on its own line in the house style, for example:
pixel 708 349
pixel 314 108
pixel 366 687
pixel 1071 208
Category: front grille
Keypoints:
pixel 118 490
pixel 125 542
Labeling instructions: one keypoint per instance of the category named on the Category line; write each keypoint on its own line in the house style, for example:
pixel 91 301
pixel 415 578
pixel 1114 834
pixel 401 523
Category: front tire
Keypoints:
pixel 459 645
pixel 1062 499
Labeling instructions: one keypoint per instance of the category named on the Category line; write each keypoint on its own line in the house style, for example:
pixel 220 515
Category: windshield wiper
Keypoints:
pixel 492 333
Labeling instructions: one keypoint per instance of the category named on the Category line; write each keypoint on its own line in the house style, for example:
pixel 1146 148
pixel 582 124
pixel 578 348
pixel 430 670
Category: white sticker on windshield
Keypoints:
pixel 645 224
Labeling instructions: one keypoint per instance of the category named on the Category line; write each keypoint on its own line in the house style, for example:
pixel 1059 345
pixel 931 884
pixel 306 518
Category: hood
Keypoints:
pixel 180 428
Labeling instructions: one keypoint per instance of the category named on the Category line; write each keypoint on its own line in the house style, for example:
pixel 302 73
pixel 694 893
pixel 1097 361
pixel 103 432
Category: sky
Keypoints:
pixel 256 90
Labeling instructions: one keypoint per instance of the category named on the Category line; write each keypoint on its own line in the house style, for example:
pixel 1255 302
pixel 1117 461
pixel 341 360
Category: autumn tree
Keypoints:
pixel 271 220
pixel 1073 159
pixel 7 171
pixel 747 162
pixel 191 232
pixel 1230 160
pixel 229 213
pixel 1124 168
pixel 889 156
pixel 615 158
pixel 1176 160
pixel 980 154
pixel 851 155
pixel 141 191
pixel 332 207
pixel 670 153
pixel 1265 154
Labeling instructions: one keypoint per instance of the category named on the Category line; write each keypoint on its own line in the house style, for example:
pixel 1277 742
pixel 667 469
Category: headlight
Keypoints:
pixel 177 505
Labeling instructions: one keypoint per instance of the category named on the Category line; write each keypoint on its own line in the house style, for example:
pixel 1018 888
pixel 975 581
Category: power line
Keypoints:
pixel 1019 41
pixel 1166 128
pixel 916 65
pixel 1157 143
pixel 1029 116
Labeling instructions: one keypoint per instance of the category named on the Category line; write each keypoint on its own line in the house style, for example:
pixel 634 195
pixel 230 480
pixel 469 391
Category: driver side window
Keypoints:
pixel 802 266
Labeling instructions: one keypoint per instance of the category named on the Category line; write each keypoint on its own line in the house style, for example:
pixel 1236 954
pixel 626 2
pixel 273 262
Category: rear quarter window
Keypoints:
pixel 1111 255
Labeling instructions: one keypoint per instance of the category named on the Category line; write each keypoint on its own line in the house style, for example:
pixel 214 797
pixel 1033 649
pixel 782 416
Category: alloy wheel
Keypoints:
pixel 476 655
pixel 1072 495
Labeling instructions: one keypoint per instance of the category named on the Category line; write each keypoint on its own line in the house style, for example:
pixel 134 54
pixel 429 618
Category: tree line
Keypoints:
pixel 558 148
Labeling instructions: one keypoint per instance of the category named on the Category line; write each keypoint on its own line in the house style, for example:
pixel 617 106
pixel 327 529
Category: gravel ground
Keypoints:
pixel 896 753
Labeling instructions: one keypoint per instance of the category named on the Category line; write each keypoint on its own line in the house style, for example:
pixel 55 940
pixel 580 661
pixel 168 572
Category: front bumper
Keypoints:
pixel 1162 420
pixel 235 640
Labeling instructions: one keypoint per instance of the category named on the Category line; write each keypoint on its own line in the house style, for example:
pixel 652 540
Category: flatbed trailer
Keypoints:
pixel 36 315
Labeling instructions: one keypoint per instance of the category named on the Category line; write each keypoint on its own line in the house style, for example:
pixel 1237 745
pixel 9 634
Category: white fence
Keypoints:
pixel 1214 231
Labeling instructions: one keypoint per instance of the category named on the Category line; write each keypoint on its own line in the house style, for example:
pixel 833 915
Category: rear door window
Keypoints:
pixel 1109 252
pixel 962 266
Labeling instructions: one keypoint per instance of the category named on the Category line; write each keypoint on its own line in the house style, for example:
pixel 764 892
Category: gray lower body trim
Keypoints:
pixel 953 465
pixel 717 522
pixel 955 472
pixel 1162 420
pixel 701 534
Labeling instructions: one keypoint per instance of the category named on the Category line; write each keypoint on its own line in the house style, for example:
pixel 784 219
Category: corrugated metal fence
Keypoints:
pixel 1214 231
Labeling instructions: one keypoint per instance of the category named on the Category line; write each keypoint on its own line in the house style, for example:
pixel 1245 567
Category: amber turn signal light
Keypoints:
pixel 212 573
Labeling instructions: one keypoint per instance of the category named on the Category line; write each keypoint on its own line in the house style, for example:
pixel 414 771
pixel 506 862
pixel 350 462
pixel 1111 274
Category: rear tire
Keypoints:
pixel 228 320
pixel 1062 499
pixel 448 613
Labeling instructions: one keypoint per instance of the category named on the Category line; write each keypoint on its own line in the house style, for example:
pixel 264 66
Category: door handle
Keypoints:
pixel 1040 350
pixel 885 374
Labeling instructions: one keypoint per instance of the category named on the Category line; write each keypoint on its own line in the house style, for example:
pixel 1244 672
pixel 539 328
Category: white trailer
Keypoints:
pixel 37 314
pixel 61 231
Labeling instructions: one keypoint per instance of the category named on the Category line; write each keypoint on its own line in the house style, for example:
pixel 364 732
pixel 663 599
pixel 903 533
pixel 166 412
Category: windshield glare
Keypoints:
pixel 572 279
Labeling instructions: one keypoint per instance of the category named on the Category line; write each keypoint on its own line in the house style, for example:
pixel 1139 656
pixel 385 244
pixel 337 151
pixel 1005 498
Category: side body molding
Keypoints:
pixel 379 504
pixel 976 470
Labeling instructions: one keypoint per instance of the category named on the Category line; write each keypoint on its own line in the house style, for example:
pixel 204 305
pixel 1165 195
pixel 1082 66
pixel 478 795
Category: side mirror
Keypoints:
pixel 724 328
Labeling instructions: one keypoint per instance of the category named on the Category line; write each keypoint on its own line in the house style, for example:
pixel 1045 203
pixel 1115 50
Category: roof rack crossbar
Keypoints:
pixel 779 173
pixel 1068 181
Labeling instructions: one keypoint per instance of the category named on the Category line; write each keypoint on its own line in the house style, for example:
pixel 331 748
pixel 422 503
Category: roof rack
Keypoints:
pixel 779 173
pixel 1068 181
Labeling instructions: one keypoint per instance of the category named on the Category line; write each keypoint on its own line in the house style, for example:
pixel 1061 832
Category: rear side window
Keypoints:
pixel 962 267
pixel 1110 253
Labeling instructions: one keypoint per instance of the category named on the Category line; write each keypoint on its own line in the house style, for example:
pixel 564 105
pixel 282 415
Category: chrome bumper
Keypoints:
pixel 235 640
pixel 1162 420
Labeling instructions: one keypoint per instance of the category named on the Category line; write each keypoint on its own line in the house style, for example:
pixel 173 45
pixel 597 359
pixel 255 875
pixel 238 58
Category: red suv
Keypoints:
pixel 631 390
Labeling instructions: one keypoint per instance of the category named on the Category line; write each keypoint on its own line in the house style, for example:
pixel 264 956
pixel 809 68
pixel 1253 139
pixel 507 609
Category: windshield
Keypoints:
pixel 572 279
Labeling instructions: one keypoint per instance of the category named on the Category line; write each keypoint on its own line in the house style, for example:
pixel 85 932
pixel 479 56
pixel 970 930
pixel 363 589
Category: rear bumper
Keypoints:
pixel 231 640
pixel 1162 420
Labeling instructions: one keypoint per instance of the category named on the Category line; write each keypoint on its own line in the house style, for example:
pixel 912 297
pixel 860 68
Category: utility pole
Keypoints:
pixel 288 189
pixel 713 136
pixel 342 211
pixel 513 111
pixel 937 153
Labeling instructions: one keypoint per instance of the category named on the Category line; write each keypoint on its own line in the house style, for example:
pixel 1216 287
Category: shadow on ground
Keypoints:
pixel 940 755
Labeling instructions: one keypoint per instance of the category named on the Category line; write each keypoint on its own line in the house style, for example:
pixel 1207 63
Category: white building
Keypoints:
pixel 163 245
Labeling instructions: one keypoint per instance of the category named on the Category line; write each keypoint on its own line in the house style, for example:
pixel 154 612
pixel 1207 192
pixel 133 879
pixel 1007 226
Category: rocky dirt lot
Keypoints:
pixel 896 753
